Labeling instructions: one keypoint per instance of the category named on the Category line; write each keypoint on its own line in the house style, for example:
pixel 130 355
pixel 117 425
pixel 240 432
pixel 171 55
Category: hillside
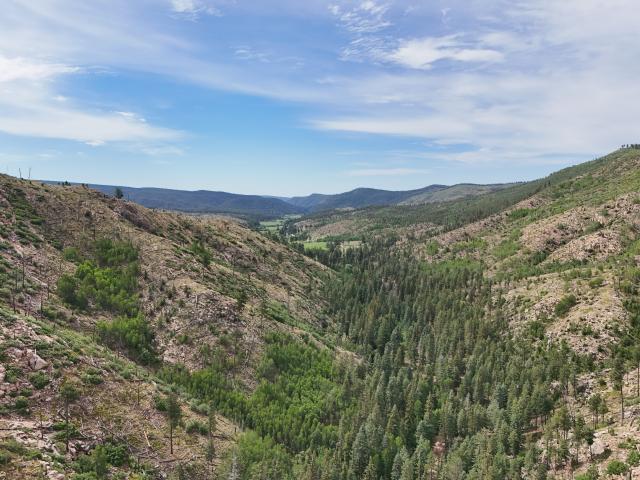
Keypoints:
pixel 454 192
pixel 493 337
pixel 371 197
pixel 554 262
pixel 203 294
pixel 358 198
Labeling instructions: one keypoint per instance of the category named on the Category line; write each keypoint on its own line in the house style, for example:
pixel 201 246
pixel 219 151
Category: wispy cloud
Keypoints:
pixel 367 16
pixel 12 69
pixel 423 52
pixel 29 106
pixel 193 9
pixel 518 80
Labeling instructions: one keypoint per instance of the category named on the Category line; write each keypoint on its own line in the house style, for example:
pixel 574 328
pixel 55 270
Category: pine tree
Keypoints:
pixel 69 393
pixel 617 378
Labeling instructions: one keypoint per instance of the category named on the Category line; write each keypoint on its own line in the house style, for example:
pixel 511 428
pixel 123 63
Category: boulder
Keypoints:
pixel 599 447
pixel 34 360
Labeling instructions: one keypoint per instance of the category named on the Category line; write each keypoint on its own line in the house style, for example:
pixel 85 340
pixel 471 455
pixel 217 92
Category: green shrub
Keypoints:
pixel 519 213
pixel 160 403
pixel 39 380
pixel 21 404
pixel 565 304
pixel 134 335
pixel 108 282
pixel 590 474
pixel 616 467
pixel 196 426
pixel 71 254
pixel 633 458
pixel 432 248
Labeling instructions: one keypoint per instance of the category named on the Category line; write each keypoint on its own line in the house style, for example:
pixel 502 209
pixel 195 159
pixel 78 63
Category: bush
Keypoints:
pixel 108 282
pixel 596 282
pixel 196 426
pixel 590 474
pixel 131 334
pixel 21 404
pixel 616 467
pixel 71 254
pixel 160 403
pixel 39 380
pixel 565 304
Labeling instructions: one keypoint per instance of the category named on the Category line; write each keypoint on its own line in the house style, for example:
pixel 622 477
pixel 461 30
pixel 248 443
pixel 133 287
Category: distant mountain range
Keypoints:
pixel 257 206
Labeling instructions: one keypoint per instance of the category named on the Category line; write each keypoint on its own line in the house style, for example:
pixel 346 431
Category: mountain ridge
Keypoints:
pixel 265 207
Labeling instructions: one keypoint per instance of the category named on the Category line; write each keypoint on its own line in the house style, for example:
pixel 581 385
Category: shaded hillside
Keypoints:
pixel 204 201
pixel 258 207
pixel 455 192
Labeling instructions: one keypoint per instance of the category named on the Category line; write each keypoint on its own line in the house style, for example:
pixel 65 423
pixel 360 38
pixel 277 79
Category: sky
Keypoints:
pixel 290 97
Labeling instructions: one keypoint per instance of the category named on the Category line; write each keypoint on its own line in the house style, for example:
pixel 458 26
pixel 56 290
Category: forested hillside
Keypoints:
pixel 495 337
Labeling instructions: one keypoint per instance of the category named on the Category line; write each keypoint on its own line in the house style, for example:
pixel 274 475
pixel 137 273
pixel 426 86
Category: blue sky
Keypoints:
pixel 289 97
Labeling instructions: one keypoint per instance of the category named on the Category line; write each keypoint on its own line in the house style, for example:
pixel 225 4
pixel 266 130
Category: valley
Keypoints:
pixel 466 332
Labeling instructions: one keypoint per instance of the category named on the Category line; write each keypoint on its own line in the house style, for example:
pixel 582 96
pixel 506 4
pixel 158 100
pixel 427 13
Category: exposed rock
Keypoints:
pixel 599 447
pixel 34 360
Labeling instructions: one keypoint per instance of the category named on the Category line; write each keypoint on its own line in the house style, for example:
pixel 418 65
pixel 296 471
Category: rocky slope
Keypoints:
pixel 205 285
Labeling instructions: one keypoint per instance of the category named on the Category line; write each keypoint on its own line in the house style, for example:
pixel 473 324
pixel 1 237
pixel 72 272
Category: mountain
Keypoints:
pixel 496 336
pixel 371 197
pixel 358 198
pixel 204 201
pixel 267 207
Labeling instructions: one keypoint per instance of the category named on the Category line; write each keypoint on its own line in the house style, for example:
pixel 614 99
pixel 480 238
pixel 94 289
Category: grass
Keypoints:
pixel 309 246
pixel 274 226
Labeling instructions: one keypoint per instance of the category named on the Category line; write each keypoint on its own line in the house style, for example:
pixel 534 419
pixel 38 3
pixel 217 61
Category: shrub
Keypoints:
pixel 616 467
pixel 108 282
pixel 39 380
pixel 565 304
pixel 196 426
pixel 633 458
pixel 131 334
pixel 160 403
pixel 21 404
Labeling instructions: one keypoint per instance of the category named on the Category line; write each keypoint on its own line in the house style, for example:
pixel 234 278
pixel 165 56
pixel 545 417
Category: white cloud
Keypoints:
pixel 48 121
pixel 12 69
pixel 30 107
pixel 193 9
pixel 423 52
pixel 565 86
pixel 366 17
pixel 561 77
